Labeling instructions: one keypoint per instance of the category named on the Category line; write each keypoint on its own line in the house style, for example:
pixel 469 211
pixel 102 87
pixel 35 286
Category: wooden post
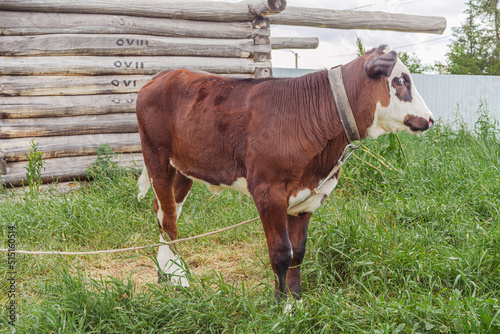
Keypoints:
pixel 345 19
pixel 194 10
pixel 261 58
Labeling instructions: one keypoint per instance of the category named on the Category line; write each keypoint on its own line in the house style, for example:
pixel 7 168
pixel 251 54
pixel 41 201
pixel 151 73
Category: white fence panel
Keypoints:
pixel 449 96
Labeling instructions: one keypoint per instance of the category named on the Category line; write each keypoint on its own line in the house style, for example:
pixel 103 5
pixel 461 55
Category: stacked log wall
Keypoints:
pixel 70 72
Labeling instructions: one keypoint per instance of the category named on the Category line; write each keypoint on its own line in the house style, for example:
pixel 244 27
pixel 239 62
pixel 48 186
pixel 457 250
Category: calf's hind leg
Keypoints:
pixel 167 210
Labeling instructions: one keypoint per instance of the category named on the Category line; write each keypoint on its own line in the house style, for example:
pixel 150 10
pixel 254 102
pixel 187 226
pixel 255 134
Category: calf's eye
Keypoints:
pixel 399 81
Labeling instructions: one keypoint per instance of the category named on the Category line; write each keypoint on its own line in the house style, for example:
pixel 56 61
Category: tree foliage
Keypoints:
pixel 475 48
pixel 360 47
pixel 412 62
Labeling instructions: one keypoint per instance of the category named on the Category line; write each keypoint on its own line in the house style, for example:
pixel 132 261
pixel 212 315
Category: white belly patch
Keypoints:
pixel 304 202
pixel 239 185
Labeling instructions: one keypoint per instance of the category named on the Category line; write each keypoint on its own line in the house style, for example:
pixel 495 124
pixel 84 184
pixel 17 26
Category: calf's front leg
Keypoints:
pixel 272 207
pixel 297 231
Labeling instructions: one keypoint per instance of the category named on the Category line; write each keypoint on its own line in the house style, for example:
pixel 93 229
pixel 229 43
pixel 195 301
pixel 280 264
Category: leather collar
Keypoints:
pixel 342 104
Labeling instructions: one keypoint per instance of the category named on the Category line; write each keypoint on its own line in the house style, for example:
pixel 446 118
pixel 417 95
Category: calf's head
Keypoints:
pixel 399 106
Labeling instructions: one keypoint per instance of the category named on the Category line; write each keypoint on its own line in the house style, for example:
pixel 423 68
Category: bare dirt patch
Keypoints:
pixel 236 263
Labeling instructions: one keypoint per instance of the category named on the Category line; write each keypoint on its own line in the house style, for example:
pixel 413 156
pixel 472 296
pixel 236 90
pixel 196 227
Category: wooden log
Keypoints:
pixel 107 65
pixel 13 150
pixel 344 19
pixel 263 72
pixel 194 10
pixel 261 23
pixel 125 45
pixel 294 43
pixel 53 106
pixel 67 126
pixel 75 85
pixel 69 85
pixel 36 23
pixel 262 40
pixel 263 66
pixel 67 169
pixel 262 56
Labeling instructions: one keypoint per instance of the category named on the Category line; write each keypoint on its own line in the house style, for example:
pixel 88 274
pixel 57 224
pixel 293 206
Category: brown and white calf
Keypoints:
pixel 273 139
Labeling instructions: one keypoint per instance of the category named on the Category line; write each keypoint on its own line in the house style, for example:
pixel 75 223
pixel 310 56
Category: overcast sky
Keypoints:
pixel 338 46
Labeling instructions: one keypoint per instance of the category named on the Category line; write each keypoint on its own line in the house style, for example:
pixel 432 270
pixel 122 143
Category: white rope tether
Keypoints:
pixel 132 248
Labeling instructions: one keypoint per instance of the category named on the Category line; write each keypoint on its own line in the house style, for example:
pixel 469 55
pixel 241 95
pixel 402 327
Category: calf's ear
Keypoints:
pixel 381 65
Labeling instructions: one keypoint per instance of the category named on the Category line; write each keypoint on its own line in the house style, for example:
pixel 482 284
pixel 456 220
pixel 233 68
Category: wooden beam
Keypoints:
pixel 66 169
pixel 18 85
pixel 125 45
pixel 344 19
pixel 36 23
pixel 13 150
pixel 54 106
pixel 294 43
pixel 68 85
pixel 194 10
pixel 67 126
pixel 108 65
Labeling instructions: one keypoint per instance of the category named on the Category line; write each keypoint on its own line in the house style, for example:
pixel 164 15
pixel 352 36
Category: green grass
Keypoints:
pixel 409 244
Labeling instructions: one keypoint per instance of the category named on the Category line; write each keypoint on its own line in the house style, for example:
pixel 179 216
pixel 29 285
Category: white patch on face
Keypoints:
pixel 391 118
pixel 303 203
pixel 171 265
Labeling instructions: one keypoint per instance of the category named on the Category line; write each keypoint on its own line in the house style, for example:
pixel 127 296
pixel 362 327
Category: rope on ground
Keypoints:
pixel 132 248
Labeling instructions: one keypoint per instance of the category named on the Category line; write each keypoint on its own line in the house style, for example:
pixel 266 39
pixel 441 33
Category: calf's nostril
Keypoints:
pixel 417 123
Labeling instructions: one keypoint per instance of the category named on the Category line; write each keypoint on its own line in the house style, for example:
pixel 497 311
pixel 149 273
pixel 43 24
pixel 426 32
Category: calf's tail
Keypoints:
pixel 143 183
